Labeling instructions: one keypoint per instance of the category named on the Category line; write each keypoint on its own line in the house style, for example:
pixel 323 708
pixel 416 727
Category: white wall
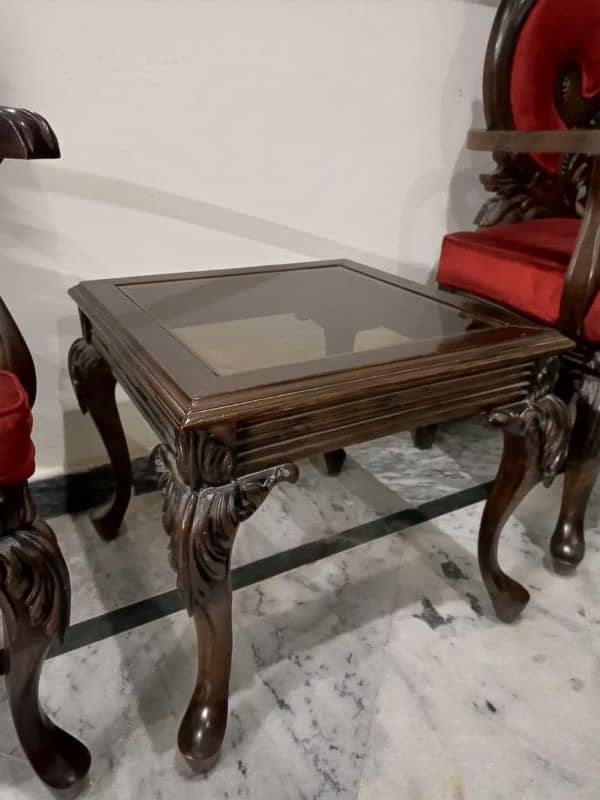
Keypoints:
pixel 213 133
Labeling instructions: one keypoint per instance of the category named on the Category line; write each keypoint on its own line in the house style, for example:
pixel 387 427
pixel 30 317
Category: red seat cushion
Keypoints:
pixel 520 266
pixel 17 454
pixel 554 34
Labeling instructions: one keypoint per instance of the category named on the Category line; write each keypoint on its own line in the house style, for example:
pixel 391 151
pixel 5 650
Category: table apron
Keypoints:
pixel 265 441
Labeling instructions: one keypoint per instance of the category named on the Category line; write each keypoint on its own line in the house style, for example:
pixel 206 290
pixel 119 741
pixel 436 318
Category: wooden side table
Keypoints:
pixel 243 372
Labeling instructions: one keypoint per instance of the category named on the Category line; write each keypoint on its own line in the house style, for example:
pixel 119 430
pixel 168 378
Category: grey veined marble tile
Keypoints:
pixel 308 652
pixel 470 708
pixel 376 673
pixel 464 453
pixel 108 575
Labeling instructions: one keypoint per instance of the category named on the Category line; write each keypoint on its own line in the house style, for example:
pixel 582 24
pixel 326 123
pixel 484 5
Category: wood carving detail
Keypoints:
pixel 202 524
pixel 587 383
pixel 25 134
pixel 544 415
pixel 84 360
pixel 204 460
pixel 34 579
pixel 94 385
pixel 520 193
pixel 523 189
pixel 582 467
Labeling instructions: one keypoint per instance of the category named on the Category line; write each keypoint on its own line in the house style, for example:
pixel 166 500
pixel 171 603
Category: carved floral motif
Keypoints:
pixel 202 524
pixel 34 580
pixel 543 415
pixel 84 362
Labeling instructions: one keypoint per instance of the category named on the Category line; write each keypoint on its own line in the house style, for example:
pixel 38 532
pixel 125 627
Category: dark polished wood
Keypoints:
pixel 424 437
pixel 522 189
pixel 334 461
pixel 94 386
pixel 581 472
pixel 202 524
pixel 35 599
pixel 35 592
pixel 14 353
pixel 25 134
pixel 536 438
pixel 231 409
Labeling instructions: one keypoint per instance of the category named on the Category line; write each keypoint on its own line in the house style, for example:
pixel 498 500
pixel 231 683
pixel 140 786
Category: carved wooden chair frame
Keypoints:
pixel 523 191
pixel 35 592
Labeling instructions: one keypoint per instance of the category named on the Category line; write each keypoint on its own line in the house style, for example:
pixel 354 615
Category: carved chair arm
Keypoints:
pixel 582 141
pixel 25 134
pixel 582 280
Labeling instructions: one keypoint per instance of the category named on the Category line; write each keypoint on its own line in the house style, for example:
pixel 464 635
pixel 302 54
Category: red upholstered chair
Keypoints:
pixel 34 581
pixel 533 252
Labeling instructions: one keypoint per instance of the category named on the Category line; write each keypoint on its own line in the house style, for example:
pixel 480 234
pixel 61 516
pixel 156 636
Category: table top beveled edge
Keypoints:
pixel 332 387
pixel 197 410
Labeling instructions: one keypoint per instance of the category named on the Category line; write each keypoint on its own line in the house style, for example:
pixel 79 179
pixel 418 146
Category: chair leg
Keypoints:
pixel 35 603
pixel 202 525
pixel 583 465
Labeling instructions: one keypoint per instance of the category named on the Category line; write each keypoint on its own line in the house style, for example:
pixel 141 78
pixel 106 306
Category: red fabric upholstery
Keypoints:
pixel 16 448
pixel 554 34
pixel 520 266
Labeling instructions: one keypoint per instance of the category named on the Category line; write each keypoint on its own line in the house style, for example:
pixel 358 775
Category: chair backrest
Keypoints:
pixel 542 72
pixel 26 135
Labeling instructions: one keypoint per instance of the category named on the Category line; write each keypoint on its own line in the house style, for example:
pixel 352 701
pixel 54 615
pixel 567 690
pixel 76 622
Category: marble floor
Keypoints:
pixel 375 672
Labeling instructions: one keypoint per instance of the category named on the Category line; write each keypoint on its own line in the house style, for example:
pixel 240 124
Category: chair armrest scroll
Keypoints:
pixel 25 134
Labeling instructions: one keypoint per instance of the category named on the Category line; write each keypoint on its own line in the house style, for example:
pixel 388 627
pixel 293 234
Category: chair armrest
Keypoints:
pixel 582 279
pixel 569 141
pixel 25 134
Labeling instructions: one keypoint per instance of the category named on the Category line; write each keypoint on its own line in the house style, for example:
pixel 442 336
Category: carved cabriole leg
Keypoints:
pixel 35 601
pixel 536 437
pixel 202 525
pixel 581 471
pixel 94 385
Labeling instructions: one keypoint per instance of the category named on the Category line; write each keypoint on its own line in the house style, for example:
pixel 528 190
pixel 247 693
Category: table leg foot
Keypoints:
pixel 203 725
pixel 35 602
pixel 334 461
pixel 94 386
pixel 202 526
pixel 536 437
pixel 424 437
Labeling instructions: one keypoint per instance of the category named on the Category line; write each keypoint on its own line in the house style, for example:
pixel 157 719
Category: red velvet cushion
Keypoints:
pixel 16 448
pixel 520 266
pixel 555 33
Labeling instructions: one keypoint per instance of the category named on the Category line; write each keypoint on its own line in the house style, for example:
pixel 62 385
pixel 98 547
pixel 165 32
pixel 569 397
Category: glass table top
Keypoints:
pixel 241 322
